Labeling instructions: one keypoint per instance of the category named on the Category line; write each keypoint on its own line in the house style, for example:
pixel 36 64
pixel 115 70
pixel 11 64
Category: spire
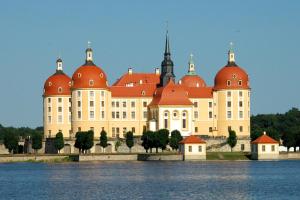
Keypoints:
pixel 59 64
pixel 89 53
pixel 231 59
pixel 191 70
pixel 167 45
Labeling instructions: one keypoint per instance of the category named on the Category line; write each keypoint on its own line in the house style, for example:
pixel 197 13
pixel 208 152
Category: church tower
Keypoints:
pixel 167 65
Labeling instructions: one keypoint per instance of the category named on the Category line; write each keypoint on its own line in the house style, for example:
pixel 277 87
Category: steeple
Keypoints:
pixel 231 59
pixel 191 70
pixel 89 54
pixel 167 65
pixel 59 66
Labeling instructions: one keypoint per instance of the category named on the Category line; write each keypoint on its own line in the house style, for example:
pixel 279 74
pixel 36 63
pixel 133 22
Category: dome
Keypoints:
pixel 57 84
pixel 231 77
pixel 192 81
pixel 89 76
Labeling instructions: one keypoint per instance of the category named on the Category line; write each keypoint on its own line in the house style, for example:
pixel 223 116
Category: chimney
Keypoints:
pixel 157 71
pixel 130 70
pixel 265 133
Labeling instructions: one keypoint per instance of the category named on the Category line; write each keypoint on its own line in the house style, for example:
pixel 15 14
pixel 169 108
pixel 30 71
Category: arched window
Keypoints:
pixel 59 90
pixel 101 75
pixel 184 120
pixel 91 82
pixel 79 75
pixel 175 114
pixel 166 119
pixel 228 83
pixel 240 82
pixel 50 83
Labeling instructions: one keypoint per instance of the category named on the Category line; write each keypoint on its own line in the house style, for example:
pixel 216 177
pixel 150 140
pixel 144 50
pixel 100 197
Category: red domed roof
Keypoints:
pixel 231 77
pixel 89 76
pixel 171 94
pixel 57 84
pixel 192 81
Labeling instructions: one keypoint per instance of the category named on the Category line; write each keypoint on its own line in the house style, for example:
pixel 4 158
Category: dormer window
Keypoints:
pixel 101 75
pixel 234 76
pixel 70 83
pixel 50 83
pixel 59 90
pixel 91 82
pixel 143 93
pixel 79 75
pixel 240 82
pixel 228 83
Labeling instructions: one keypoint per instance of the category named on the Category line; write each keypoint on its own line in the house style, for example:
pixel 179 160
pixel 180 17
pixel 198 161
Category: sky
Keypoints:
pixel 123 34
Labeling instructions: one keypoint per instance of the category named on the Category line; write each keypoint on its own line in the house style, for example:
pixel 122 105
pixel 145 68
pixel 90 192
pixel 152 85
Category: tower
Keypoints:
pixel 191 70
pixel 167 65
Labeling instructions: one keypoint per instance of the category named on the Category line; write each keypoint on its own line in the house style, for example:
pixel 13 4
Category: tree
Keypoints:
pixel 129 140
pixel 59 141
pixel 88 141
pixel 232 139
pixel 163 136
pixel 146 138
pixel 37 141
pixel 175 139
pixel 103 139
pixel 10 141
pixel 155 143
pixel 79 141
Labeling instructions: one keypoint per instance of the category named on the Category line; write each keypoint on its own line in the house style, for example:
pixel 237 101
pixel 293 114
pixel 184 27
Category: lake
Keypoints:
pixel 151 180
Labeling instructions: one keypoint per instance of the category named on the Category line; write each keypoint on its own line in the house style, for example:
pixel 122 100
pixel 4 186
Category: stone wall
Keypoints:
pixel 289 156
pixel 24 158
pixel 220 145
pixel 166 157
pixel 3 150
pixel 108 157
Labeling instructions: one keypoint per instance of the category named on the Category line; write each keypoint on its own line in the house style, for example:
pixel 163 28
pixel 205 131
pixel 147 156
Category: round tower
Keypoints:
pixel 232 97
pixel 90 97
pixel 57 103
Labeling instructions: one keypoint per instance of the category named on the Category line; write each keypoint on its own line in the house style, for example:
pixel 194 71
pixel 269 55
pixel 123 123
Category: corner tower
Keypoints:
pixel 167 65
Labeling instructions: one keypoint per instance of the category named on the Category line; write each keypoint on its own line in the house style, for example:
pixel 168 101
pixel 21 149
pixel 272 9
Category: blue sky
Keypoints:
pixel 126 34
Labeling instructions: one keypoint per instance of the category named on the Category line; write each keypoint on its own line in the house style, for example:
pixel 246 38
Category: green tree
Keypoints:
pixel 103 139
pixel 10 141
pixel 232 139
pixel 154 141
pixel 129 140
pixel 59 141
pixel 146 140
pixel 79 141
pixel 37 141
pixel 88 141
pixel 175 139
pixel 163 136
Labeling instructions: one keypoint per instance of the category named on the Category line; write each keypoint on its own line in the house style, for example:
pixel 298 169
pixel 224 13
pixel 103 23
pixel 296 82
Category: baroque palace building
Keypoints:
pixel 147 101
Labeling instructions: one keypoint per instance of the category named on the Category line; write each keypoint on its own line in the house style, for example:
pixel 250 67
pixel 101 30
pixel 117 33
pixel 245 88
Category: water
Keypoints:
pixel 151 180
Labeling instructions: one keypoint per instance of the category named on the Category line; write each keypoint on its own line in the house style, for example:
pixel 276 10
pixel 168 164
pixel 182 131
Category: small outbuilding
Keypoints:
pixel 193 148
pixel 264 148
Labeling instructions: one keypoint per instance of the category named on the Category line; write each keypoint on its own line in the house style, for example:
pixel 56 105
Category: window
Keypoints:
pixel 92 128
pixel 113 104
pixel 101 75
pixel 49 109
pixel 78 103
pixel 79 114
pixel 92 94
pixel 124 115
pixel 49 119
pixel 59 90
pixel 240 82
pixel 132 115
pixel 78 94
pixel 196 129
pixel 91 83
pixel 79 75
pixel 199 148
pixel 113 115
pixel 102 103
pixel 102 115
pixel 210 104
pixel 196 114
pixel 240 93
pixel 241 114
pixel 184 125
pixel 50 83
pixel 133 129
pixel 102 93
pixel 190 149
pixel 273 147
pixel 59 119
pixel 70 100
pixel 117 115
pixel 228 83
pixel 124 129
pixel 59 109
pixel 117 104
pixel 145 114
pixel 229 104
pixel 113 130
pixel 241 129
pixel 124 104
pixel 91 103
pixel 263 148
pixel 165 123
pixel 240 103
pixel 210 115
pixel 59 100
pixel 133 104
pixel 229 94
pixel 145 104
pixel 79 129
pixel 196 104
pixel 229 114
pixel 92 114
pixel 242 147
pixel 210 129
pixel 49 100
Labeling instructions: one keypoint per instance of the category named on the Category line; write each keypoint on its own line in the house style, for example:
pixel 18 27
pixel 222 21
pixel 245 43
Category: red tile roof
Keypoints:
pixel 192 81
pixel 146 90
pixel 135 79
pixel 171 94
pixel 199 92
pixel 57 84
pixel 192 140
pixel 264 139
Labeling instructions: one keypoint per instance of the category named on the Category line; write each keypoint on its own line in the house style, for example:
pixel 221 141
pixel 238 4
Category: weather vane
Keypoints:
pixel 89 44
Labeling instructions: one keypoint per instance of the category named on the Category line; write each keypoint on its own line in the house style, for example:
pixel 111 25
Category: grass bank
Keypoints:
pixel 227 156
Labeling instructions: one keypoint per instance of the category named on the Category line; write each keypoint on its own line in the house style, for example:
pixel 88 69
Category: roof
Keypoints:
pixel 192 140
pixel 264 139
pixel 199 92
pixel 171 94
pixel 57 84
pixel 145 90
pixel 192 81
pixel 137 79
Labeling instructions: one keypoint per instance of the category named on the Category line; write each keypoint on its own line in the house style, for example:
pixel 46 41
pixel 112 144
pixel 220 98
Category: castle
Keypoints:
pixel 147 101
